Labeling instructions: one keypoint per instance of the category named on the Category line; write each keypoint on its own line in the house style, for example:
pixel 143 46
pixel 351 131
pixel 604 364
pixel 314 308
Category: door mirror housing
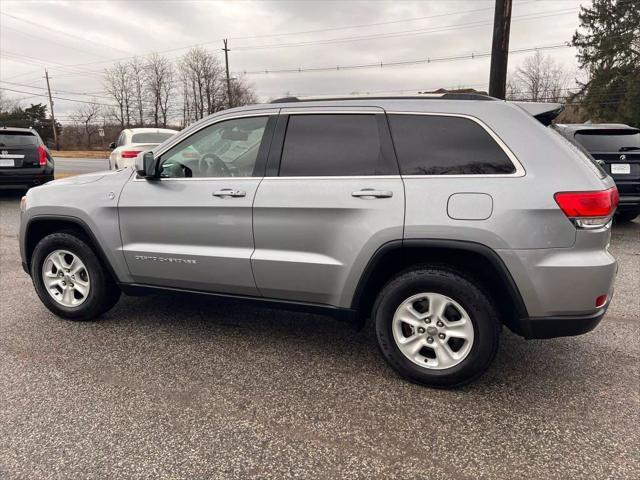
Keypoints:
pixel 146 165
pixel 112 145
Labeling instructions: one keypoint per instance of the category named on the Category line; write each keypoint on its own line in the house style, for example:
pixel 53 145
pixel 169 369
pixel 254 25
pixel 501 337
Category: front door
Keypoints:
pixel 192 227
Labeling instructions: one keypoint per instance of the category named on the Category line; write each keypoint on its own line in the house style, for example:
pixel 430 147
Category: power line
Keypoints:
pixel 468 56
pixel 402 33
pixel 89 94
pixel 57 98
pixel 41 26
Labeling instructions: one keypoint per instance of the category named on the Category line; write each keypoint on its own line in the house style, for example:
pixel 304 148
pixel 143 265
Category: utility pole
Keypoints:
pixel 500 49
pixel 226 64
pixel 53 118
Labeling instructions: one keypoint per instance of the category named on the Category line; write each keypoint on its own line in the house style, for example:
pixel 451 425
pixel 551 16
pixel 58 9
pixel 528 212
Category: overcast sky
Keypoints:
pixel 76 39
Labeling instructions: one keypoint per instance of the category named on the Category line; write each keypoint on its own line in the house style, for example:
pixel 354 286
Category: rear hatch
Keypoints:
pixel 18 149
pixel 618 152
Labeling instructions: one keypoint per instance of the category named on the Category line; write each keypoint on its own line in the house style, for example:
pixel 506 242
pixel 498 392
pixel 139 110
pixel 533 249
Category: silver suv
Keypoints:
pixel 440 218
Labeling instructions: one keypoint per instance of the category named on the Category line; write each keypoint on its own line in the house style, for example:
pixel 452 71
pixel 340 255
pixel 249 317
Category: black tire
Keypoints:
pixel 103 294
pixel 624 217
pixel 475 302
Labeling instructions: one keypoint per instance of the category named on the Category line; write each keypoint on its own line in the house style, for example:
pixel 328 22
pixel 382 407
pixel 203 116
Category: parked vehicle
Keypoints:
pixel 132 141
pixel 440 218
pixel 25 160
pixel 616 147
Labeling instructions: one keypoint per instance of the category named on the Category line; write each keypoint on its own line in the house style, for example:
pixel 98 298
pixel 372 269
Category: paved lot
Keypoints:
pixel 167 388
pixel 80 165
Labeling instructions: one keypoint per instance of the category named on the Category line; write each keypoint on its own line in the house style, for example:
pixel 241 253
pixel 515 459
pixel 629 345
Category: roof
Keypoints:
pixel 149 130
pixel 17 129
pixel 424 96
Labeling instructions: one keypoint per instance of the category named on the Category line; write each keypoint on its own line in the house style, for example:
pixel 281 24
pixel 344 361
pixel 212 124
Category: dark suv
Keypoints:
pixel 616 148
pixel 25 160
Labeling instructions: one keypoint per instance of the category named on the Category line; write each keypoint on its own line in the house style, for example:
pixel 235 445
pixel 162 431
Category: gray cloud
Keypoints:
pixel 100 31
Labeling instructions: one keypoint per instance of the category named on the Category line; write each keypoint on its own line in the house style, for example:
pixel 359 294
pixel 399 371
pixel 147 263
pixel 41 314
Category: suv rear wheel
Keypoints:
pixel 69 278
pixel 436 327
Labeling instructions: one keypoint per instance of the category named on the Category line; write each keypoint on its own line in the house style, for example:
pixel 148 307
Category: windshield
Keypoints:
pixel 609 141
pixel 151 137
pixel 17 139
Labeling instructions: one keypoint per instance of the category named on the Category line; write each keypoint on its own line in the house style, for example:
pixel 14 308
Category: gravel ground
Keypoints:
pixel 167 388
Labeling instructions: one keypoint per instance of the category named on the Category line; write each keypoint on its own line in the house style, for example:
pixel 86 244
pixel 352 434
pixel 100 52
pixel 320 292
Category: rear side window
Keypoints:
pixel 441 145
pixel 609 141
pixel 333 145
pixel 17 139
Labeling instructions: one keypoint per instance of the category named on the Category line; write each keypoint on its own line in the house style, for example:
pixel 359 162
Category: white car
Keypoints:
pixel 135 140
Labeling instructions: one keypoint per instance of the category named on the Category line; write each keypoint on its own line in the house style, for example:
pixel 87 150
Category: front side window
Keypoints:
pixel 443 145
pixel 225 149
pixel 333 145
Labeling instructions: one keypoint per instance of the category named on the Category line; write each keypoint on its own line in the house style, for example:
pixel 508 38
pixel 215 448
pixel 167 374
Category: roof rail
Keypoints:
pixel 425 96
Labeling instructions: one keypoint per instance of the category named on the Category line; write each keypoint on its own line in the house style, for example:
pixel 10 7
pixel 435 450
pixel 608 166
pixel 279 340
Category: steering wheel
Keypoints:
pixel 213 165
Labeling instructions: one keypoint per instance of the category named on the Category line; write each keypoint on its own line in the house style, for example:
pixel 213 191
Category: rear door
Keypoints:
pixel 332 196
pixel 192 227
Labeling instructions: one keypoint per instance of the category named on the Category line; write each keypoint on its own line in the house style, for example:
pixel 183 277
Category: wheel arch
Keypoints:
pixel 476 260
pixel 40 226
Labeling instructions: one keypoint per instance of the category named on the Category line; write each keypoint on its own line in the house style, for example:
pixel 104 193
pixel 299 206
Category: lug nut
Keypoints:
pixel 429 339
pixel 441 335
pixel 440 324
pixel 71 285
pixel 64 284
pixel 420 330
pixel 427 320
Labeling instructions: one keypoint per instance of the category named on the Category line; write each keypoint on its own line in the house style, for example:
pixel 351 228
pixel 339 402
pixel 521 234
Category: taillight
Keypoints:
pixel 130 153
pixel 42 156
pixel 589 209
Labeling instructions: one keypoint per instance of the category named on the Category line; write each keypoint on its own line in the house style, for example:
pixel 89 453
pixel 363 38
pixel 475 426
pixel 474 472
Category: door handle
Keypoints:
pixel 229 192
pixel 370 192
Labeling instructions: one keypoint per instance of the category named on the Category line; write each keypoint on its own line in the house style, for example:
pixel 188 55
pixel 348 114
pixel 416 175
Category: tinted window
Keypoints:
pixel 333 145
pixel 438 145
pixel 16 139
pixel 601 141
pixel 151 137
pixel 225 149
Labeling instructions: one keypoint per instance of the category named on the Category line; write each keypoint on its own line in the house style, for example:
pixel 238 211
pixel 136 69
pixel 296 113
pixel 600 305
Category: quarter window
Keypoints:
pixel 442 145
pixel 333 145
pixel 225 149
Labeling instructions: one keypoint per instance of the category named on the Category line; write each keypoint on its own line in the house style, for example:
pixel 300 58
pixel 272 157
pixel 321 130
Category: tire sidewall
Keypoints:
pixel 91 307
pixel 471 298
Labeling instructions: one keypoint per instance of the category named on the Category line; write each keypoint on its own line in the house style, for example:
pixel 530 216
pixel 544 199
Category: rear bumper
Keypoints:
pixel 24 180
pixel 628 203
pixel 561 326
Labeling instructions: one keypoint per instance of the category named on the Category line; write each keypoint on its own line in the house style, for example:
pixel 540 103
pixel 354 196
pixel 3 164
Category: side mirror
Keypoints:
pixel 112 145
pixel 146 165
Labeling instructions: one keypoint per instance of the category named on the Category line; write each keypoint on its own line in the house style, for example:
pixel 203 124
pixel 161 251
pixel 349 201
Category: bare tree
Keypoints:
pixel 8 104
pixel 87 117
pixel 539 79
pixel 137 73
pixel 160 78
pixel 201 74
pixel 118 82
pixel 242 93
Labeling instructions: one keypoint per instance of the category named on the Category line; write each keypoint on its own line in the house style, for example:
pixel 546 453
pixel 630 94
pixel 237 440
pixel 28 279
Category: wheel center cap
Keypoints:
pixel 431 330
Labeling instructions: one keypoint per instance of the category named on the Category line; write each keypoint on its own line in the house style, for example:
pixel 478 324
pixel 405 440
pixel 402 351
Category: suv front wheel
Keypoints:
pixel 436 327
pixel 69 278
